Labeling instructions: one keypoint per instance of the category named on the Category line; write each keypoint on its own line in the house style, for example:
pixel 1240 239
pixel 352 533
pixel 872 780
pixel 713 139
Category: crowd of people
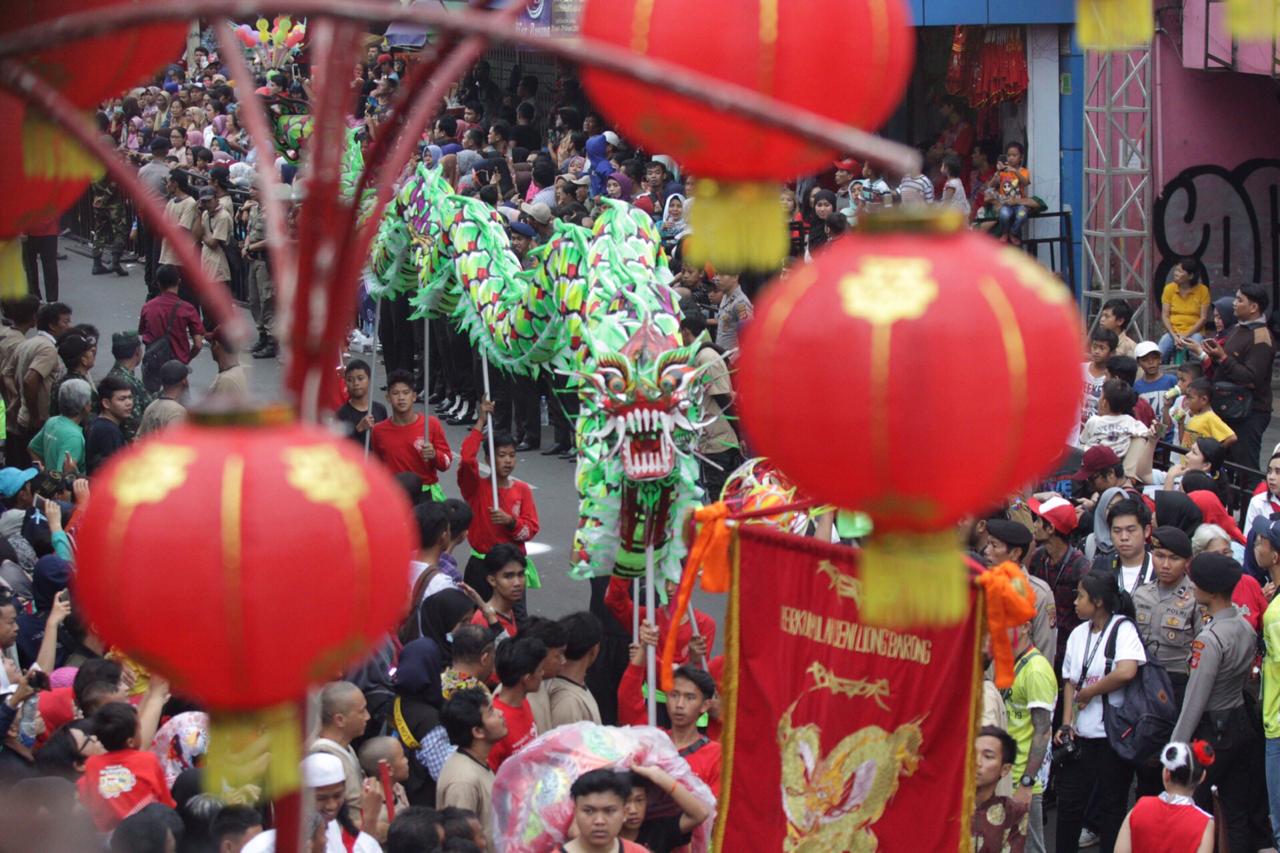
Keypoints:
pixel 1136 564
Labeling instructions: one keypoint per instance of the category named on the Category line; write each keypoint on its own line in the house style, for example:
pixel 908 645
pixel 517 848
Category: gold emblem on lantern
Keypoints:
pixel 886 290
pixel 151 474
pixel 320 473
pixel 323 476
pixel 832 801
pixel 1034 277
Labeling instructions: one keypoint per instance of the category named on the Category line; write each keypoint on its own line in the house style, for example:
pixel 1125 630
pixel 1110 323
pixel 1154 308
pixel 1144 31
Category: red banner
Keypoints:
pixel 839 736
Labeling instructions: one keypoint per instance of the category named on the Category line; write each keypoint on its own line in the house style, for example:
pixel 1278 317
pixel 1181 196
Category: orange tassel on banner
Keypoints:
pixel 1011 601
pixel 710 553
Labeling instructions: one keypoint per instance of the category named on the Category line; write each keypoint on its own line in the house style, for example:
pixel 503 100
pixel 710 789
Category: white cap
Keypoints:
pixel 321 768
pixel 1145 348
pixel 612 138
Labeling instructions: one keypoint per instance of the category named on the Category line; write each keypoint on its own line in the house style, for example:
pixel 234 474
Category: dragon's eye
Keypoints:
pixel 617 385
pixel 668 383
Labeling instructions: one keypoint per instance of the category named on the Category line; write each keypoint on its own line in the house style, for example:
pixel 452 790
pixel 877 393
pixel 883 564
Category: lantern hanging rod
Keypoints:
pixel 718 94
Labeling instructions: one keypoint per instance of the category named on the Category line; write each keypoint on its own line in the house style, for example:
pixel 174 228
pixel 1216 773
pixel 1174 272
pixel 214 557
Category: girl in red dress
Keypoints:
pixel 1172 822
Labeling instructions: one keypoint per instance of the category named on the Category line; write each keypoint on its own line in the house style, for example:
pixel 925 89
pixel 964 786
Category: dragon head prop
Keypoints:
pixel 644 392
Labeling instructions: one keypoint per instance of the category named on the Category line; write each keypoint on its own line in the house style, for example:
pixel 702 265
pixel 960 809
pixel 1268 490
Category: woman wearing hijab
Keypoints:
pixel 1213 512
pixel 1099 542
pixel 673 225
pixel 415 717
pixel 1176 509
pixel 824 206
pixel 437 617
pixel 618 186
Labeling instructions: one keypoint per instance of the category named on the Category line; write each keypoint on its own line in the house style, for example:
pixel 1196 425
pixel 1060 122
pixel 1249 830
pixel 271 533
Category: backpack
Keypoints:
pixel 157 353
pixel 1140 726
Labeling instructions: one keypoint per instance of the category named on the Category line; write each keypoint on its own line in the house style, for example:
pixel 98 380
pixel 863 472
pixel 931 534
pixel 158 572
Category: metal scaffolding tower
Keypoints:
pixel 1118 183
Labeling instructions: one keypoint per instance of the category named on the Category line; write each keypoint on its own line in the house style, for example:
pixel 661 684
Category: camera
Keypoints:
pixel 1068 750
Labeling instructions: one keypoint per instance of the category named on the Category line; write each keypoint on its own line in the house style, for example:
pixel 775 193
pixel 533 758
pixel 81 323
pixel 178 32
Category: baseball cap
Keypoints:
pixel 13 479
pixel 1145 348
pixel 206 193
pixel 538 210
pixel 612 138
pixel 524 229
pixel 846 165
pixel 1267 528
pixel 1096 460
pixel 1059 512
pixel 172 372
pixel 384 57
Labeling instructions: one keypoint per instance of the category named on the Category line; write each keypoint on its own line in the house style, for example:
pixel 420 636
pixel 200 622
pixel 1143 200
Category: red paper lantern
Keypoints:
pixel 915 377
pixel 88 71
pixel 798 52
pixel 42 173
pixel 244 563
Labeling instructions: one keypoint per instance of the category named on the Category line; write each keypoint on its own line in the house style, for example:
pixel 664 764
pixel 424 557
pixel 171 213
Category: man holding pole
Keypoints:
pixel 511 518
pixel 405 443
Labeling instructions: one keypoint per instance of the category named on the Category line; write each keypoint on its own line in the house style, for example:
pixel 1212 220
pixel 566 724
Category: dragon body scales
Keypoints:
pixel 596 305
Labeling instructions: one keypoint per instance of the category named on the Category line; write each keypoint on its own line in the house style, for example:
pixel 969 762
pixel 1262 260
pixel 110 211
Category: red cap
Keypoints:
pixel 1060 514
pixel 384 57
pixel 848 165
pixel 1096 460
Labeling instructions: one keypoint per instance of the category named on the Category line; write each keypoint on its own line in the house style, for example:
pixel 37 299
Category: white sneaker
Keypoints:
pixel 1088 839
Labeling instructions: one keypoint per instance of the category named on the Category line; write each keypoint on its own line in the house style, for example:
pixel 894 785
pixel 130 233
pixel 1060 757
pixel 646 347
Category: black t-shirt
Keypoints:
pixel 350 416
pixel 662 834
pixel 526 136
pixel 104 439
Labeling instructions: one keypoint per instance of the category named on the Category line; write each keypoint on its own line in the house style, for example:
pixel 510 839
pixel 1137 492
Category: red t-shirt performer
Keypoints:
pixel 402 442
pixel 514 520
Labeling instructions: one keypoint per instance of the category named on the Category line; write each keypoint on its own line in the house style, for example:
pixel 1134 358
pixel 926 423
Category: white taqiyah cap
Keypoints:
pixel 321 768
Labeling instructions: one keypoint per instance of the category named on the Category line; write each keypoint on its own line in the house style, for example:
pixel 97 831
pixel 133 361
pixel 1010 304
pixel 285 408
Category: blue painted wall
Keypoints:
pixel 937 13
pixel 1071 134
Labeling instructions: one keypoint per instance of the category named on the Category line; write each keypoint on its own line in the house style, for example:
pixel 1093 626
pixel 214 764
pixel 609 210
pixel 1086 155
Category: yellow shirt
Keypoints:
pixel 1207 424
pixel 1184 311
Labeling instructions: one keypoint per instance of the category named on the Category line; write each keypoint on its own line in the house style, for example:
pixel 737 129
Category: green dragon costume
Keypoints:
pixel 596 307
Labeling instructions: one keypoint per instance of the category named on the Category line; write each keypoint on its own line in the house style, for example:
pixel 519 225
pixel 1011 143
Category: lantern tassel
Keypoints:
pixel 737 226
pixel 1254 20
pixel 13 279
pixel 1114 24
pixel 913 579
pixel 253 751
pixel 52 155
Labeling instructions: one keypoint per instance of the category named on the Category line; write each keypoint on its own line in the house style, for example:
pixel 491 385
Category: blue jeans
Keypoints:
pixel 1011 219
pixel 1167 345
pixel 1273 785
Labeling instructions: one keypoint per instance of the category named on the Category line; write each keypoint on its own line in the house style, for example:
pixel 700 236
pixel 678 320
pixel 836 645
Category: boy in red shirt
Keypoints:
pixel 692 692
pixel 504 569
pixel 520 667
pixel 400 441
pixel 514 521
pixel 124 780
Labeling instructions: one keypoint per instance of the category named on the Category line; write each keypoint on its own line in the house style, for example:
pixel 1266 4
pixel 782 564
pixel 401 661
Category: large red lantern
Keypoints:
pixel 916 377
pixel 42 173
pixel 91 70
pixel 849 60
pixel 245 563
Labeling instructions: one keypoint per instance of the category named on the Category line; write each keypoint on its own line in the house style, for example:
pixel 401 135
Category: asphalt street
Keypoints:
pixel 112 303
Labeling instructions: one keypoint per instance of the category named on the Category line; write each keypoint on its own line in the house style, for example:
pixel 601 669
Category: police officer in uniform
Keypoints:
pixel 110 225
pixel 1168 620
pixel 258 273
pixel 1213 707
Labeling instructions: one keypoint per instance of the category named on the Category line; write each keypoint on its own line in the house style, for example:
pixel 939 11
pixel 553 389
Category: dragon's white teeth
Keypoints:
pixel 644 419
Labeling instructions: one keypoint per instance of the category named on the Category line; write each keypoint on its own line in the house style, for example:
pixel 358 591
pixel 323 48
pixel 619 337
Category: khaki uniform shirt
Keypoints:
pixel 184 212
pixel 1221 658
pixel 218 226
pixel 571 703
pixel 1168 622
pixel 38 353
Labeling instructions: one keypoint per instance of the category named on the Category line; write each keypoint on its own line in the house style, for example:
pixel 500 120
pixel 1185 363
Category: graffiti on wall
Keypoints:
pixel 1229 220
